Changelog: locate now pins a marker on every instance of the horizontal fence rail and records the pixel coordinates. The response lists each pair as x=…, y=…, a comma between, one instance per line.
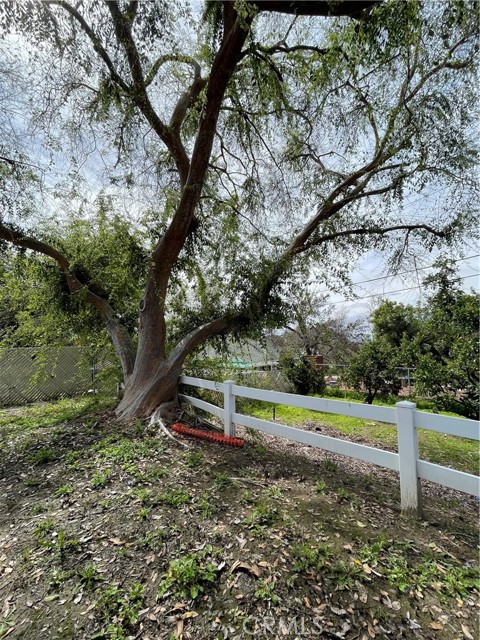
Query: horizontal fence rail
x=405, y=416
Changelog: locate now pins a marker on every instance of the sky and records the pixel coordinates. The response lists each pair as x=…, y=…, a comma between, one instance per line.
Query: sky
x=372, y=285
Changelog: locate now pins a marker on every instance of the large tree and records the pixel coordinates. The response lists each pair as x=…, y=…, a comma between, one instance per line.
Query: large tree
x=270, y=135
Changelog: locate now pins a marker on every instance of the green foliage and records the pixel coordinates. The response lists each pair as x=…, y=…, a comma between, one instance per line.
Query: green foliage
x=189, y=575
x=302, y=374
x=266, y=591
x=320, y=486
x=90, y=576
x=119, y=609
x=64, y=490
x=100, y=478
x=308, y=558
x=194, y=459
x=175, y=498
x=439, y=339
x=42, y=456
x=104, y=253
x=373, y=370
x=263, y=516
x=447, y=363
x=409, y=569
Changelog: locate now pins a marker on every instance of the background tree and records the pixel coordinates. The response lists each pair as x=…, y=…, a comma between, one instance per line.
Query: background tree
x=256, y=108
x=319, y=329
x=301, y=372
x=447, y=361
x=374, y=370
x=439, y=339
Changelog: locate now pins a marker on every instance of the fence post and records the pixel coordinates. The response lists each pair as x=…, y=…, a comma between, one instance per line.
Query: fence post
x=229, y=408
x=410, y=490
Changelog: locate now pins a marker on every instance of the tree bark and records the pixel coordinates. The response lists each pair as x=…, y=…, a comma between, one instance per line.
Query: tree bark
x=143, y=394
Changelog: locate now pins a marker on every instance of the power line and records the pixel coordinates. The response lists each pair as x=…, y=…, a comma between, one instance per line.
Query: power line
x=389, y=293
x=396, y=275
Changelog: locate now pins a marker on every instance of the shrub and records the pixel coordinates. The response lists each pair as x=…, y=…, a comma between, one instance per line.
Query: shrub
x=303, y=375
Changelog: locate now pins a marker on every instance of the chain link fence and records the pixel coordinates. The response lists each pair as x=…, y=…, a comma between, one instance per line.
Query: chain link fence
x=30, y=374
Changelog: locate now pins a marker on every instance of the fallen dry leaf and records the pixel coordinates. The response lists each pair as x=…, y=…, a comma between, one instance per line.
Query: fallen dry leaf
x=466, y=632
x=436, y=625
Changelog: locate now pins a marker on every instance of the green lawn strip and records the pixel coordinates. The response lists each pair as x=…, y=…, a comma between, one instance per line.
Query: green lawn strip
x=49, y=414
x=458, y=453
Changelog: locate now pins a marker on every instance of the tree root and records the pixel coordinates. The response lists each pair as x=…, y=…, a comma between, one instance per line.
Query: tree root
x=156, y=421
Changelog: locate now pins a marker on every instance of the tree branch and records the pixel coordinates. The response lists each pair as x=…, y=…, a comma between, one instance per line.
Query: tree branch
x=350, y=8
x=117, y=332
x=371, y=231
x=97, y=45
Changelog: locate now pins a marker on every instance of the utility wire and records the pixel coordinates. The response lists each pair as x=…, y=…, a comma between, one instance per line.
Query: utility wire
x=403, y=273
x=389, y=293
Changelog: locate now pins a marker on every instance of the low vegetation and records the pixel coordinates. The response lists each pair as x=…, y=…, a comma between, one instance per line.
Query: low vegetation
x=123, y=534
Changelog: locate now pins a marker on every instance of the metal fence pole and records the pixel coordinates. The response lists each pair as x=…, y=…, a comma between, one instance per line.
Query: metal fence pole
x=229, y=408
x=410, y=488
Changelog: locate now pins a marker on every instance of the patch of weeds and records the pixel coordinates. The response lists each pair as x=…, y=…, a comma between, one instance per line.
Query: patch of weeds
x=330, y=465
x=119, y=610
x=342, y=494
x=100, y=478
x=64, y=490
x=64, y=543
x=175, y=498
x=193, y=459
x=153, y=540
x=205, y=506
x=189, y=575
x=263, y=516
x=138, y=427
x=320, y=486
x=222, y=481
x=266, y=591
x=143, y=495
x=368, y=480
x=144, y=513
x=150, y=475
x=344, y=574
x=42, y=530
x=32, y=481
x=42, y=456
x=407, y=569
x=308, y=558
x=38, y=508
x=58, y=435
x=72, y=460
x=247, y=497
x=90, y=576
x=58, y=577
x=124, y=450
x=260, y=449
x=275, y=493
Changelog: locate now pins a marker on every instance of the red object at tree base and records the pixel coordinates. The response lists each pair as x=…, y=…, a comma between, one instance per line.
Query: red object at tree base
x=206, y=435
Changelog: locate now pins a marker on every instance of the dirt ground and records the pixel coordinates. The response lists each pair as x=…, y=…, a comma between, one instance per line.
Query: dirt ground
x=118, y=532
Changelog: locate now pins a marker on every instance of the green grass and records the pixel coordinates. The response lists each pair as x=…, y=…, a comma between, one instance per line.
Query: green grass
x=41, y=415
x=458, y=453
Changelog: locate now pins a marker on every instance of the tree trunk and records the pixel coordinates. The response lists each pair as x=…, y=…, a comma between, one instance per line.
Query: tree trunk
x=144, y=392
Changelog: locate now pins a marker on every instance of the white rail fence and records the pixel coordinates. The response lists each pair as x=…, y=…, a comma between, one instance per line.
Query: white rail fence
x=405, y=415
